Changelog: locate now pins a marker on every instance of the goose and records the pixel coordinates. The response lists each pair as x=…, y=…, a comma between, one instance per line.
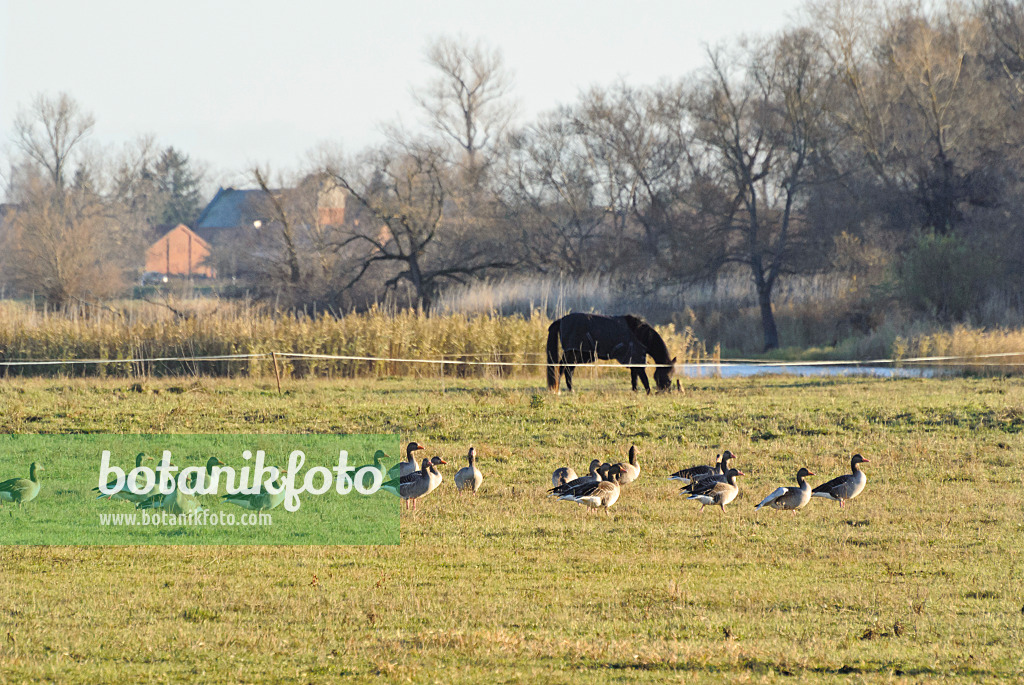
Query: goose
x=22, y=490
x=844, y=487
x=596, y=495
x=469, y=477
x=562, y=475
x=418, y=483
x=697, y=472
x=790, y=498
x=176, y=501
x=378, y=463
x=601, y=494
x=409, y=465
x=125, y=493
x=695, y=484
x=593, y=477
x=631, y=471
x=210, y=463
x=715, y=492
x=264, y=500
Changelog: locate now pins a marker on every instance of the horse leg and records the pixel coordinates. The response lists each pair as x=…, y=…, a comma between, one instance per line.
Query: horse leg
x=642, y=375
x=633, y=375
x=567, y=369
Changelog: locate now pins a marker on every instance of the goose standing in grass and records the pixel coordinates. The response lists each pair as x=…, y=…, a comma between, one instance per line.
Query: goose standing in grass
x=845, y=487
x=719, y=477
x=264, y=500
x=593, y=477
x=716, y=492
x=208, y=473
x=176, y=501
x=378, y=463
x=597, y=495
x=125, y=493
x=469, y=477
x=22, y=490
x=693, y=473
x=563, y=475
x=418, y=483
x=409, y=465
x=629, y=471
x=790, y=498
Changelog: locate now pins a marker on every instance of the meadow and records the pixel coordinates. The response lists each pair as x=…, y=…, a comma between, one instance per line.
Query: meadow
x=919, y=579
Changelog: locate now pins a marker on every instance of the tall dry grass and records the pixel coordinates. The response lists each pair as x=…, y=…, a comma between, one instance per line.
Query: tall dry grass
x=201, y=328
x=969, y=346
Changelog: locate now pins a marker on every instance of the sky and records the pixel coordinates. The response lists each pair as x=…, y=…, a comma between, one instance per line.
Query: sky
x=234, y=83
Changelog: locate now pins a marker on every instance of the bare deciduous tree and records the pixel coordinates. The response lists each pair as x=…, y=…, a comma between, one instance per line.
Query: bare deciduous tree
x=60, y=245
x=469, y=101
x=764, y=128
x=49, y=133
x=404, y=189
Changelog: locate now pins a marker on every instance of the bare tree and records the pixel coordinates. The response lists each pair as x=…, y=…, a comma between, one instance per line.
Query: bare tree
x=404, y=189
x=49, y=133
x=60, y=245
x=552, y=201
x=1005, y=21
x=918, y=106
x=761, y=119
x=469, y=100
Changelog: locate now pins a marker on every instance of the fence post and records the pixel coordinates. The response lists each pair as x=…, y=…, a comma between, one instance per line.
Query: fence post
x=277, y=372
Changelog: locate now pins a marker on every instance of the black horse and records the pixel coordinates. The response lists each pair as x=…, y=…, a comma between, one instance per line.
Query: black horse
x=626, y=339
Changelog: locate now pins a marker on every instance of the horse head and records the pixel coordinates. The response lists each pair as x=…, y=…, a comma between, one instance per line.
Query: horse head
x=663, y=376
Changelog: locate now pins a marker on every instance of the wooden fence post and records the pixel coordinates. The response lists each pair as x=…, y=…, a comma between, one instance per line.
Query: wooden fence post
x=277, y=372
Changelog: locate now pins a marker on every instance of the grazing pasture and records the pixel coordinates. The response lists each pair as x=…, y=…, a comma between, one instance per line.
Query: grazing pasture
x=917, y=579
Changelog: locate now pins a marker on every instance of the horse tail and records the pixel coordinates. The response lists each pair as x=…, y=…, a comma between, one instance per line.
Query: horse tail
x=552, y=367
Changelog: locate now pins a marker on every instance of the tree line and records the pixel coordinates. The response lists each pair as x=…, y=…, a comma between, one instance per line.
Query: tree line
x=880, y=140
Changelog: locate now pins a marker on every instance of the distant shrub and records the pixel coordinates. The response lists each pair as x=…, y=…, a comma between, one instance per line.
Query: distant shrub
x=942, y=276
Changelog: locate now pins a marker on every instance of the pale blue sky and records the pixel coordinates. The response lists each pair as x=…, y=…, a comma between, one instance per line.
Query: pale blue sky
x=240, y=82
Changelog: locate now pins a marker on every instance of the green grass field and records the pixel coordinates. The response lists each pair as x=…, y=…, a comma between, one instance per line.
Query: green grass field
x=917, y=580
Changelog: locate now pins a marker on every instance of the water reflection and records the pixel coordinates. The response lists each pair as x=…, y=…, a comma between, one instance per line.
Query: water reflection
x=742, y=370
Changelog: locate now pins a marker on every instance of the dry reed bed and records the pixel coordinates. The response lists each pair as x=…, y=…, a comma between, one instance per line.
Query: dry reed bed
x=143, y=331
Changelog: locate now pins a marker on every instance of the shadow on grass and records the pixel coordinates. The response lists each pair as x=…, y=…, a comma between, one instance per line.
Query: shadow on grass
x=765, y=667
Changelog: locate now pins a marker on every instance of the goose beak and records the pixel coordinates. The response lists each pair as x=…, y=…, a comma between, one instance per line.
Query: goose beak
x=810, y=473
x=866, y=461
x=442, y=462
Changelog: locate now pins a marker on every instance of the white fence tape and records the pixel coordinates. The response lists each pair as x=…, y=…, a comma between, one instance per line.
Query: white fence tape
x=972, y=360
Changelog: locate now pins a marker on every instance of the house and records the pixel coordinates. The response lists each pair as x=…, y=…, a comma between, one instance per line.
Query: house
x=179, y=252
x=232, y=213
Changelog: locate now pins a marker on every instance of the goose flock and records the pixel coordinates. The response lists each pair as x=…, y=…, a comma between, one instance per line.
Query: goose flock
x=600, y=488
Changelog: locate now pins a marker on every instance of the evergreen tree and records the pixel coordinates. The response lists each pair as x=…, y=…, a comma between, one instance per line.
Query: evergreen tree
x=178, y=188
